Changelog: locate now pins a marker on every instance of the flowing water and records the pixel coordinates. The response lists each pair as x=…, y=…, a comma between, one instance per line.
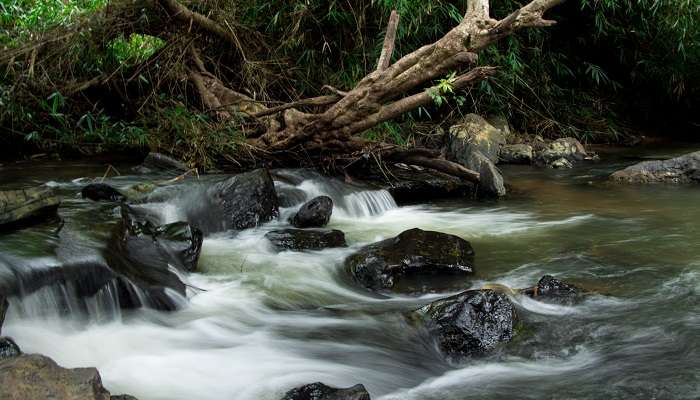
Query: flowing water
x=259, y=323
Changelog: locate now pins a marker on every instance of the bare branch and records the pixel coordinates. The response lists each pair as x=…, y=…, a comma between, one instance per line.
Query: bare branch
x=187, y=16
x=314, y=101
x=477, y=9
x=389, y=42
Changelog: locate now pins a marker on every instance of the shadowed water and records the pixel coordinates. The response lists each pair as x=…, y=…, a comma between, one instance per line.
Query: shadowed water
x=259, y=323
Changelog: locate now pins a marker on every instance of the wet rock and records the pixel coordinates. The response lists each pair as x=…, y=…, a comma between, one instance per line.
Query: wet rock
x=179, y=243
x=157, y=162
x=36, y=377
x=144, y=253
x=319, y=391
x=550, y=289
x=567, y=148
x=306, y=239
x=415, y=185
x=3, y=309
x=240, y=202
x=561, y=163
x=26, y=206
x=516, y=154
x=491, y=182
x=135, y=269
x=102, y=192
x=8, y=348
x=290, y=196
x=408, y=261
x=472, y=323
x=475, y=144
x=474, y=134
x=314, y=214
x=683, y=169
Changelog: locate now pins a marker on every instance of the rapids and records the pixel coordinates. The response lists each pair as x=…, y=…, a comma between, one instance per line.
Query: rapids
x=259, y=322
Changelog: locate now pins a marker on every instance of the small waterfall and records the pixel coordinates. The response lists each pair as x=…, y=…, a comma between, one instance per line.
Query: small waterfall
x=367, y=203
x=351, y=201
x=60, y=299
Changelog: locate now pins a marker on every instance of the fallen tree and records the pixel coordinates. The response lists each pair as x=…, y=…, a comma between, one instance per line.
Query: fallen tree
x=326, y=127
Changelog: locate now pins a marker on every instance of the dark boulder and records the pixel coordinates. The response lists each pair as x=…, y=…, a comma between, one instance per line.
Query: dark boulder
x=157, y=162
x=306, y=239
x=550, y=289
x=143, y=253
x=408, y=261
x=240, y=202
x=36, y=377
x=319, y=391
x=315, y=213
x=26, y=206
x=8, y=348
x=179, y=243
x=102, y=192
x=683, y=169
x=471, y=323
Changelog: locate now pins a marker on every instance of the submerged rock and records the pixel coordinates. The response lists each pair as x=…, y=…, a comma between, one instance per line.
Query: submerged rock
x=408, y=261
x=8, y=348
x=315, y=213
x=102, y=192
x=319, y=391
x=561, y=163
x=36, y=377
x=157, y=162
x=516, y=154
x=550, y=289
x=26, y=206
x=306, y=239
x=683, y=169
x=240, y=202
x=471, y=323
x=568, y=148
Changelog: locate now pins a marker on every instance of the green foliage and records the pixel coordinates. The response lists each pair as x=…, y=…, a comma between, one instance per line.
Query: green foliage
x=20, y=18
x=134, y=49
x=607, y=62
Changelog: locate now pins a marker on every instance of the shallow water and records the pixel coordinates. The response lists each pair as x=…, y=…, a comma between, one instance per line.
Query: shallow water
x=259, y=323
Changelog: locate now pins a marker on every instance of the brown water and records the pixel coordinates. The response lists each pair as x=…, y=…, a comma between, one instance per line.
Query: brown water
x=268, y=322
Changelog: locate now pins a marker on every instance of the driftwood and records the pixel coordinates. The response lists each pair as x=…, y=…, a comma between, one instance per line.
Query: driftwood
x=327, y=126
x=390, y=91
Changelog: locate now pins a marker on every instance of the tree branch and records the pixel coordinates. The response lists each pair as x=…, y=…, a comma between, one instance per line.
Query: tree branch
x=187, y=16
x=389, y=42
x=314, y=101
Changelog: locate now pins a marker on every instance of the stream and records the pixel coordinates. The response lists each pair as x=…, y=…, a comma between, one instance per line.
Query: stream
x=258, y=323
